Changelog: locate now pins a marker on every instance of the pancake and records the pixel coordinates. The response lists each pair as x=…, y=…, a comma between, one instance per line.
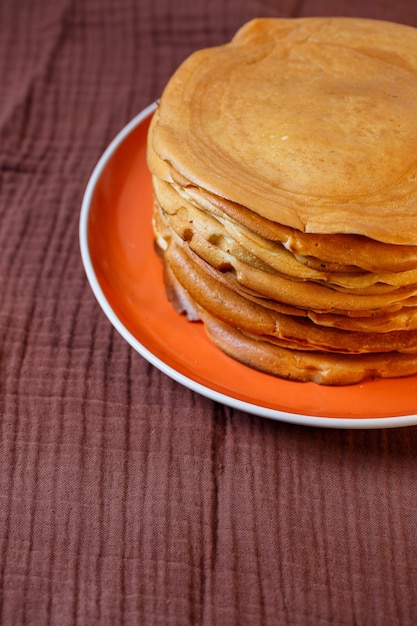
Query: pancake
x=308, y=366
x=307, y=122
x=218, y=228
x=261, y=353
x=285, y=197
x=336, y=251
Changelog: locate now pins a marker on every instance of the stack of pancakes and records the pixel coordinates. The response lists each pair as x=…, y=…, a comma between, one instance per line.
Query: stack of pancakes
x=284, y=167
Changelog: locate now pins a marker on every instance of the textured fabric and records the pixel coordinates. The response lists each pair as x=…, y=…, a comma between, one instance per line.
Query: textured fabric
x=126, y=498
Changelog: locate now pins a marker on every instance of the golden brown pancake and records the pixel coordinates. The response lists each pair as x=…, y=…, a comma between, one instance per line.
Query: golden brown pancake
x=337, y=251
x=307, y=122
x=280, y=358
x=308, y=366
x=218, y=228
x=285, y=186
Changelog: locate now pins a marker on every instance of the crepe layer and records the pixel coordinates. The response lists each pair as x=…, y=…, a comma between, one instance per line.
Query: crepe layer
x=285, y=213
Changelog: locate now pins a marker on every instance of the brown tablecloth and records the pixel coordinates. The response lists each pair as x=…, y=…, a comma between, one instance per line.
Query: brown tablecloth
x=126, y=498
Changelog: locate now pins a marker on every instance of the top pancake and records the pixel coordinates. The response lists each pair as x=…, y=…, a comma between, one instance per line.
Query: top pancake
x=310, y=123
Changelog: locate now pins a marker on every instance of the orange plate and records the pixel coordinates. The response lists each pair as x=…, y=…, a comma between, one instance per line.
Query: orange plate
x=126, y=276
